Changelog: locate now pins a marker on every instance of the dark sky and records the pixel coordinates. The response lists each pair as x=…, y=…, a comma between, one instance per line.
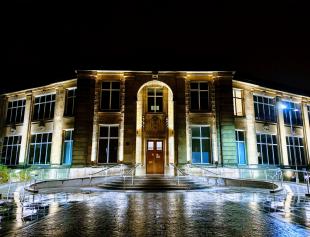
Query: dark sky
x=45, y=41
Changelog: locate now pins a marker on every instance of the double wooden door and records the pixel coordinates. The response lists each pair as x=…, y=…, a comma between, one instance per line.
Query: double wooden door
x=155, y=157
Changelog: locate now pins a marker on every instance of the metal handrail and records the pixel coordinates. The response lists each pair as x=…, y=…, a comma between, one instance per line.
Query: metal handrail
x=130, y=171
x=204, y=169
x=178, y=171
x=105, y=169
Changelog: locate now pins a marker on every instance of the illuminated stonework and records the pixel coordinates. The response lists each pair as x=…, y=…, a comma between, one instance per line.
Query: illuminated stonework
x=154, y=118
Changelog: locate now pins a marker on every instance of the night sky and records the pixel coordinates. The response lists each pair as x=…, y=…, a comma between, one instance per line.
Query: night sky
x=44, y=41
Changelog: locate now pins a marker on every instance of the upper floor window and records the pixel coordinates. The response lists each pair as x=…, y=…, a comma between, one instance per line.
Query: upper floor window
x=267, y=148
x=110, y=96
x=264, y=108
x=16, y=111
x=291, y=113
x=10, y=150
x=40, y=149
x=308, y=107
x=44, y=107
x=201, y=146
x=238, y=102
x=70, y=101
x=155, y=100
x=199, y=96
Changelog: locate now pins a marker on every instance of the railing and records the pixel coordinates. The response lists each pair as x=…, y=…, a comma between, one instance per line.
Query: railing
x=179, y=171
x=131, y=173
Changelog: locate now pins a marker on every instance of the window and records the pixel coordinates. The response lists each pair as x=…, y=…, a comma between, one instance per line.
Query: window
x=67, y=147
x=295, y=149
x=241, y=151
x=110, y=96
x=267, y=148
x=70, y=102
x=238, y=102
x=199, y=96
x=44, y=107
x=16, y=111
x=40, y=149
x=10, y=150
x=292, y=113
x=155, y=100
x=201, y=148
x=264, y=108
x=108, y=144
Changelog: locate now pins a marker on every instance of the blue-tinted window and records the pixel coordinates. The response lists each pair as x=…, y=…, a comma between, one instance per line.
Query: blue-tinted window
x=67, y=147
x=241, y=149
x=201, y=146
x=292, y=113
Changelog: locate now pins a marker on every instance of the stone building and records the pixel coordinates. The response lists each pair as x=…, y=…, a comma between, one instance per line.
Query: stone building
x=154, y=118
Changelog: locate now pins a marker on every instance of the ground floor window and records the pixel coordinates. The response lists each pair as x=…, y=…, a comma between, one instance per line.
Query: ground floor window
x=201, y=148
x=40, y=149
x=10, y=150
x=295, y=150
x=67, y=147
x=267, y=148
x=108, y=144
x=240, y=144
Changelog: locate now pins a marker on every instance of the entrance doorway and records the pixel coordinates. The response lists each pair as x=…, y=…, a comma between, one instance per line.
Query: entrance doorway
x=155, y=157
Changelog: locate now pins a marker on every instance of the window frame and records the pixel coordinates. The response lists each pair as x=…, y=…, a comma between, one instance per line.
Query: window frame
x=273, y=147
x=52, y=103
x=108, y=138
x=110, y=90
x=198, y=90
x=66, y=113
x=48, y=143
x=245, y=146
x=71, y=141
x=294, y=114
x=235, y=98
x=200, y=143
x=269, y=105
x=13, y=146
x=155, y=96
x=15, y=108
x=298, y=146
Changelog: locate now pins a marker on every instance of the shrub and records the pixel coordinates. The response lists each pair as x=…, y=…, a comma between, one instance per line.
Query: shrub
x=4, y=174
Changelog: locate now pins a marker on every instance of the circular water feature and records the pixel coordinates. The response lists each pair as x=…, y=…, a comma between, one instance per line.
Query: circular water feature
x=220, y=211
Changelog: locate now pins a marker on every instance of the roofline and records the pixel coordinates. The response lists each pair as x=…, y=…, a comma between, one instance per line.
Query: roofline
x=128, y=71
x=39, y=87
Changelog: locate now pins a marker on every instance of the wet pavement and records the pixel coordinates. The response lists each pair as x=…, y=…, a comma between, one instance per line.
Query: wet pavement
x=220, y=211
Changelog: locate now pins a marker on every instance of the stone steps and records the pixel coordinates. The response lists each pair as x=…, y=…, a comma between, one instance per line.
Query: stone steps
x=152, y=183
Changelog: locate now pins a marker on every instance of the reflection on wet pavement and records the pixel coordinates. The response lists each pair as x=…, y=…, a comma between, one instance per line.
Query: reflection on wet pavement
x=215, y=212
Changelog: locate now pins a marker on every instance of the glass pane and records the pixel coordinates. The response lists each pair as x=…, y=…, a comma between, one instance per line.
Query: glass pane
x=241, y=153
x=103, y=151
x=159, y=104
x=150, y=91
x=276, y=157
x=67, y=153
x=115, y=100
x=205, y=145
x=113, y=131
x=204, y=86
x=196, y=156
x=105, y=100
x=104, y=131
x=265, y=154
x=195, y=131
x=194, y=85
x=194, y=100
x=205, y=131
x=159, y=92
x=150, y=104
x=159, y=145
x=204, y=100
x=113, y=151
x=105, y=85
x=150, y=145
x=115, y=85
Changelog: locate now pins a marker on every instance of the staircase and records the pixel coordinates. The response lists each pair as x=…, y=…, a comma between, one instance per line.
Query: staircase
x=153, y=182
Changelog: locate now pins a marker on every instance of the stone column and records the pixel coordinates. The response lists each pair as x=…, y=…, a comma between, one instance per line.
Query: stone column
x=250, y=126
x=281, y=134
x=57, y=126
x=306, y=130
x=94, y=147
x=26, y=130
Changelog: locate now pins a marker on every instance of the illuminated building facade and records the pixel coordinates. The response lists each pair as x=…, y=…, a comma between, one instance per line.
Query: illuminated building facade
x=154, y=118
